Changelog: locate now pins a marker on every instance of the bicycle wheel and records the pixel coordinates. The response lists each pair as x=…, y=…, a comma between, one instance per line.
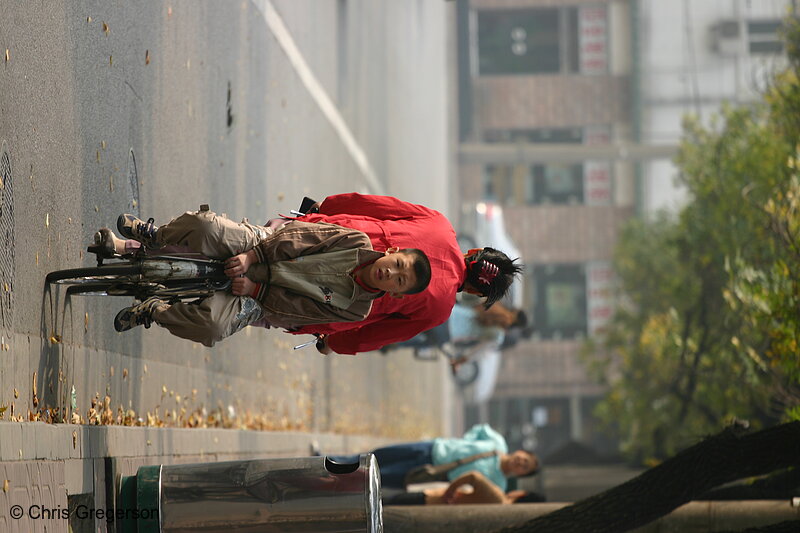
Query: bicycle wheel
x=76, y=276
x=90, y=289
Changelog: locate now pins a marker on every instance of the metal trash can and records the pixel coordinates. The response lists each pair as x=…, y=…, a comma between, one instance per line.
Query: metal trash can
x=269, y=495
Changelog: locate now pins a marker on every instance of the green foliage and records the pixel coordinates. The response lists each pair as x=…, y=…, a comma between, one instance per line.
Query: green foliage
x=710, y=323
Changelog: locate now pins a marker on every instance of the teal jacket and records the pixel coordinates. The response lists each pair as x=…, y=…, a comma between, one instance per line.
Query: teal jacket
x=479, y=439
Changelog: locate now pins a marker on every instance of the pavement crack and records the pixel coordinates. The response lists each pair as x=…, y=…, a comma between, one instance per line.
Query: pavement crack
x=133, y=91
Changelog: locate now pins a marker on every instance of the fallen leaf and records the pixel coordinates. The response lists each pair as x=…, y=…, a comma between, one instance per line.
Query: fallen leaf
x=47, y=220
x=145, y=369
x=98, y=156
x=35, y=396
x=8, y=56
x=16, y=393
x=55, y=339
x=5, y=485
x=124, y=373
x=110, y=61
x=37, y=258
x=105, y=28
x=88, y=19
x=86, y=322
x=111, y=183
x=74, y=439
x=147, y=57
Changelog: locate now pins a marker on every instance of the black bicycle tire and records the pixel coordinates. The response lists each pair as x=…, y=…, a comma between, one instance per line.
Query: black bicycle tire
x=88, y=289
x=90, y=274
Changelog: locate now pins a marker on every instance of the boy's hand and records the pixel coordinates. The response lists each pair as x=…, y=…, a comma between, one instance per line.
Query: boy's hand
x=242, y=286
x=322, y=345
x=238, y=264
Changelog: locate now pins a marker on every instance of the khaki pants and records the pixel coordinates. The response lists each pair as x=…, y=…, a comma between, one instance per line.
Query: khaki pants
x=211, y=319
x=222, y=314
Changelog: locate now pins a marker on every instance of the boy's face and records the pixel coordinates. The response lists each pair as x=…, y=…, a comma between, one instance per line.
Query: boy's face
x=393, y=273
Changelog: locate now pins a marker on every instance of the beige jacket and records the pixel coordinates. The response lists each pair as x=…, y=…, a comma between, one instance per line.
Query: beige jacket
x=305, y=274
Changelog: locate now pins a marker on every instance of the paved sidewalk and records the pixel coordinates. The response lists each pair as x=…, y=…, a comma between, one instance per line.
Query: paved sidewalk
x=109, y=107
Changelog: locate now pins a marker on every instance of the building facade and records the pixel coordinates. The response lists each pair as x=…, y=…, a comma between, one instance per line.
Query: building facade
x=555, y=98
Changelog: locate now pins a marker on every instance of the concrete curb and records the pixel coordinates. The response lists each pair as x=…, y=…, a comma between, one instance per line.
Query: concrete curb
x=28, y=441
x=81, y=450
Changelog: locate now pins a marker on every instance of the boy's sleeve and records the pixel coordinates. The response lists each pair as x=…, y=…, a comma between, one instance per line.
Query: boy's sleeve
x=379, y=207
x=305, y=238
x=375, y=335
x=290, y=310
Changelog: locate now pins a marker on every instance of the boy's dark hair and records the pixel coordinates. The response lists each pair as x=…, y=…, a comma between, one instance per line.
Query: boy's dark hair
x=422, y=268
x=491, y=272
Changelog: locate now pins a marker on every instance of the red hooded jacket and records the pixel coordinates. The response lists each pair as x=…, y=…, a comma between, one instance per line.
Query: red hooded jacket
x=391, y=222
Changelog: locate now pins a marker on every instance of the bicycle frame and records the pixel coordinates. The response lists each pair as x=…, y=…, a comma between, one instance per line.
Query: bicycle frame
x=171, y=276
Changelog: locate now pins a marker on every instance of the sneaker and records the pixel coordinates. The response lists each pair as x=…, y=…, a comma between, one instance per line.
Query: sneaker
x=140, y=314
x=132, y=227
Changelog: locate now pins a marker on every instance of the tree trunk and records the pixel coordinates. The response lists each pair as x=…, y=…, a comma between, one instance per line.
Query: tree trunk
x=779, y=486
x=719, y=459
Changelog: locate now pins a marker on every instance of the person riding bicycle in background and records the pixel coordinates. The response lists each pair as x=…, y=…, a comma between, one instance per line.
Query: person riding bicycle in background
x=393, y=224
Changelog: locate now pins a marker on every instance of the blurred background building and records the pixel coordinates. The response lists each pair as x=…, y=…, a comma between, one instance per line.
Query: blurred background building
x=569, y=113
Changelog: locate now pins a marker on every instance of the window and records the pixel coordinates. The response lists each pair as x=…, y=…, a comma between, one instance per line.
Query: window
x=762, y=37
x=560, y=301
x=558, y=184
x=536, y=184
x=528, y=41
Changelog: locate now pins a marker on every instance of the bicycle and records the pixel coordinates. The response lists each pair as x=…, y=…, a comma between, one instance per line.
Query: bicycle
x=170, y=276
